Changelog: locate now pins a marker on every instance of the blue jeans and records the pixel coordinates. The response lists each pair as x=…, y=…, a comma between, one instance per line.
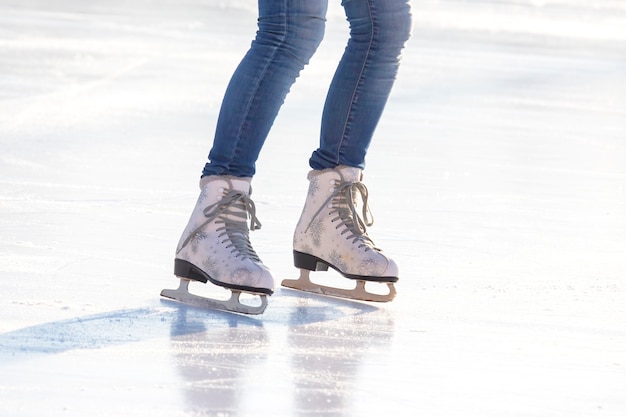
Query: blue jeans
x=289, y=32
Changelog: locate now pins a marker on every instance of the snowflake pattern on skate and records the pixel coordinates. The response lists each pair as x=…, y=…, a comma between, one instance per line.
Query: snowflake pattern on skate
x=306, y=249
x=369, y=267
x=197, y=240
x=242, y=276
x=314, y=186
x=203, y=196
x=209, y=264
x=337, y=260
x=316, y=230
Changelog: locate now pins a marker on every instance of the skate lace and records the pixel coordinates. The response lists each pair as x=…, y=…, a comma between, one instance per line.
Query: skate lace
x=233, y=211
x=344, y=205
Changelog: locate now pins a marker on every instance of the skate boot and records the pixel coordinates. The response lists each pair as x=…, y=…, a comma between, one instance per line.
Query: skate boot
x=332, y=233
x=215, y=247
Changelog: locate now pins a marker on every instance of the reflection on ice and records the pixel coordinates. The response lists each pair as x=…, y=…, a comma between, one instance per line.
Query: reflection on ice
x=216, y=354
x=326, y=361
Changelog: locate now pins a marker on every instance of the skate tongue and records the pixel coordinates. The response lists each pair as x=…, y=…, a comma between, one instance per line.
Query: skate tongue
x=349, y=174
x=228, y=181
x=241, y=184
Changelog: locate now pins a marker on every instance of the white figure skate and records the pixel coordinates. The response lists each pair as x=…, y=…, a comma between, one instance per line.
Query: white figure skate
x=215, y=247
x=331, y=233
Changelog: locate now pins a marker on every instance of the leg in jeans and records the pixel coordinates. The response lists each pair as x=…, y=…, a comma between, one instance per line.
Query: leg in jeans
x=215, y=246
x=363, y=80
x=289, y=32
x=331, y=232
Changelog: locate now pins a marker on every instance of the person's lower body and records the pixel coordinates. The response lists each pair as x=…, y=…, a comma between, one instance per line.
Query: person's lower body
x=289, y=32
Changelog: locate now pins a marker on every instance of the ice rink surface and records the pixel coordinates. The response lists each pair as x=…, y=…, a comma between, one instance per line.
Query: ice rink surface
x=497, y=180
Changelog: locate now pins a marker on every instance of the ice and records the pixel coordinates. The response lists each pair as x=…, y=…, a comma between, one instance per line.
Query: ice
x=497, y=180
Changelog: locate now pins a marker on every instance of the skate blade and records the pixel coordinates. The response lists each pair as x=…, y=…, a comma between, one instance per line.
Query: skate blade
x=357, y=293
x=233, y=304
